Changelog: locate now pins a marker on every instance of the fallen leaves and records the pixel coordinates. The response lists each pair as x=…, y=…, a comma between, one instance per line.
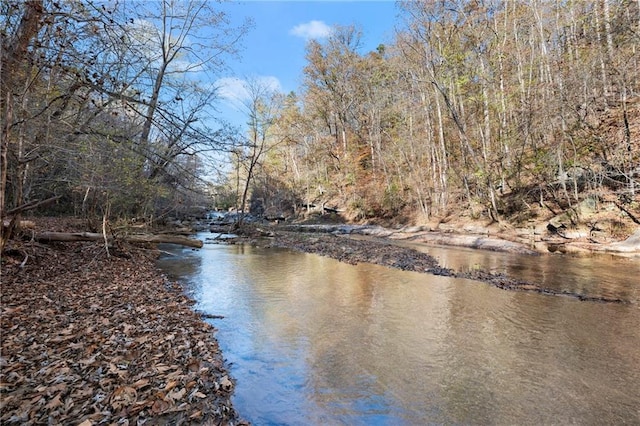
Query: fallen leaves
x=122, y=397
x=89, y=340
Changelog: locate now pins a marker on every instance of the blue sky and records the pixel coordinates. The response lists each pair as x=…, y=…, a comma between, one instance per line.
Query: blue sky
x=274, y=49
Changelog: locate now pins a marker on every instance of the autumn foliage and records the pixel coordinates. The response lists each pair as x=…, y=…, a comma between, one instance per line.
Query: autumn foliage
x=501, y=110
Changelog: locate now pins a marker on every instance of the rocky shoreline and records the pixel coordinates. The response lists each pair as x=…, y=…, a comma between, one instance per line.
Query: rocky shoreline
x=521, y=241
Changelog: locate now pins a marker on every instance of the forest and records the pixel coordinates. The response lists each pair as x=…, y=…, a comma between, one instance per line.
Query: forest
x=498, y=110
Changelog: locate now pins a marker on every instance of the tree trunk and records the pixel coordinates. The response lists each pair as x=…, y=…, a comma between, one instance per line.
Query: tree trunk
x=13, y=51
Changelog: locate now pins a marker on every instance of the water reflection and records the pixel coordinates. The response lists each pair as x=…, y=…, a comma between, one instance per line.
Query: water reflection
x=315, y=341
x=598, y=275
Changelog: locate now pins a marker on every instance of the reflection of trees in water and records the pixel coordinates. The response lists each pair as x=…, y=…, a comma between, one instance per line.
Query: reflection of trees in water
x=356, y=322
x=514, y=348
x=593, y=276
x=415, y=347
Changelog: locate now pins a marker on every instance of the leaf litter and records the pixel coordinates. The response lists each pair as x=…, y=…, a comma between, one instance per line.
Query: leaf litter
x=90, y=339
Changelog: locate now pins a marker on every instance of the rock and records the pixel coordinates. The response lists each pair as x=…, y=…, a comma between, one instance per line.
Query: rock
x=631, y=244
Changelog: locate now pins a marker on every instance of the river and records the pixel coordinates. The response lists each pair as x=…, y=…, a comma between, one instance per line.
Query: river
x=311, y=340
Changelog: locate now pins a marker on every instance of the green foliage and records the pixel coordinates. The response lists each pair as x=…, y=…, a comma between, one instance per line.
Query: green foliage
x=393, y=201
x=360, y=209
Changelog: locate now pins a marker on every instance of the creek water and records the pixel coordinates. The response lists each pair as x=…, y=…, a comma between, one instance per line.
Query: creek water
x=311, y=340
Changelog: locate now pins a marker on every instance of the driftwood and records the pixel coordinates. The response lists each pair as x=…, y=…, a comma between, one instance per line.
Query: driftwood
x=135, y=238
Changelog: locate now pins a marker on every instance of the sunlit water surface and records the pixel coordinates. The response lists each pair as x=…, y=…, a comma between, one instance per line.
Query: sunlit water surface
x=311, y=340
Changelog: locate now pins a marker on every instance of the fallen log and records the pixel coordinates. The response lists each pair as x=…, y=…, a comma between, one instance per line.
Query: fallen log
x=134, y=238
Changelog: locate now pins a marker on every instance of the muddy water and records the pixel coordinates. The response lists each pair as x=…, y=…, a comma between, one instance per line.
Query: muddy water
x=314, y=341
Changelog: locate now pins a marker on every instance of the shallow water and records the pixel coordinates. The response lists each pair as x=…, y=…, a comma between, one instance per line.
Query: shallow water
x=311, y=340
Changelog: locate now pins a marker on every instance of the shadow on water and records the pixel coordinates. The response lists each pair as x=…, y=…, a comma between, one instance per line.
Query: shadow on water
x=311, y=340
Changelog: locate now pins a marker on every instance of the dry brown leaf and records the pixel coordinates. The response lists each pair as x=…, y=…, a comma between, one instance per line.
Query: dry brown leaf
x=162, y=368
x=170, y=385
x=141, y=383
x=142, y=339
x=123, y=396
x=176, y=373
x=225, y=383
x=76, y=345
x=67, y=330
x=196, y=416
x=60, y=387
x=177, y=395
x=194, y=365
x=88, y=361
x=54, y=403
x=159, y=406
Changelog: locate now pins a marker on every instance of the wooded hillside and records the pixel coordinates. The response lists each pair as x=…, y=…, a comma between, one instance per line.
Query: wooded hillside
x=501, y=110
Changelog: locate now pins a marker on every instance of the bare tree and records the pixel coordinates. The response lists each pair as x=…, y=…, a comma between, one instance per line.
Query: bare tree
x=125, y=78
x=262, y=106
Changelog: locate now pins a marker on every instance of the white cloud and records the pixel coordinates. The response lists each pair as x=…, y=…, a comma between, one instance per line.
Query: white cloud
x=233, y=90
x=311, y=30
x=270, y=82
x=236, y=90
x=182, y=66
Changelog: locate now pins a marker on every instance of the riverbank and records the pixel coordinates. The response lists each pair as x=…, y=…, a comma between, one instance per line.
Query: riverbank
x=587, y=228
x=90, y=338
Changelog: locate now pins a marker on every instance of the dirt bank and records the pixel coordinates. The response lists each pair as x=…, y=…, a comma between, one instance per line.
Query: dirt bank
x=88, y=339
